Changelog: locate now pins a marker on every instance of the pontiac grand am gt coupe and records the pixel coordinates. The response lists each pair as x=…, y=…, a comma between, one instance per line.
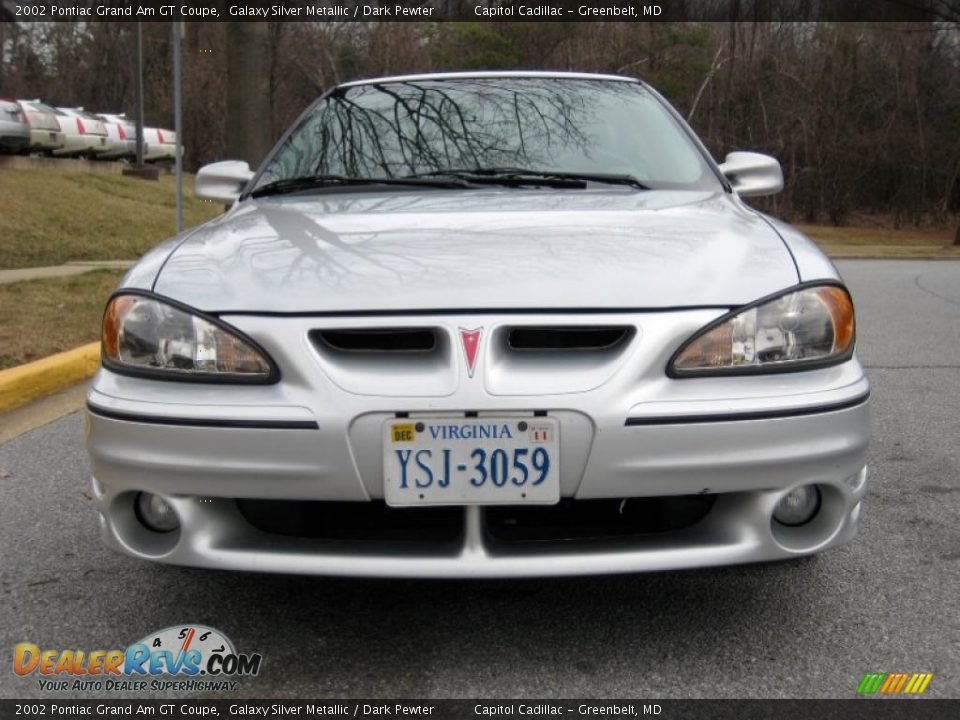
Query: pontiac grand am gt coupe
x=484, y=324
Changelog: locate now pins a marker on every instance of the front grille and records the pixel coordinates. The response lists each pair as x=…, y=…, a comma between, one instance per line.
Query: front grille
x=554, y=338
x=354, y=521
x=596, y=519
x=377, y=340
x=505, y=525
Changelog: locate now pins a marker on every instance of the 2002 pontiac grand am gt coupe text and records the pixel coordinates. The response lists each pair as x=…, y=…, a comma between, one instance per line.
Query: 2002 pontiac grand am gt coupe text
x=490, y=324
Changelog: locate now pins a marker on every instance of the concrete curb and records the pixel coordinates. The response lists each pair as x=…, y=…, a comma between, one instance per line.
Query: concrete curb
x=19, y=385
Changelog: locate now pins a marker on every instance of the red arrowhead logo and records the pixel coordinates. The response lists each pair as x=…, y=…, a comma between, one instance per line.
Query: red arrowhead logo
x=471, y=343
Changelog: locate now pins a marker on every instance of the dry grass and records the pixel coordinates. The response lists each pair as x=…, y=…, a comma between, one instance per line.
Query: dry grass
x=53, y=216
x=43, y=317
x=880, y=242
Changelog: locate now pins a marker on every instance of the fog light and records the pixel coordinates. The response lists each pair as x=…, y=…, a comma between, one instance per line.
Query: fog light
x=798, y=506
x=156, y=513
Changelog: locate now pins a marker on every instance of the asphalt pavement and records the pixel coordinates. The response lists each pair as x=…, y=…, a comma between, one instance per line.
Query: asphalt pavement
x=887, y=602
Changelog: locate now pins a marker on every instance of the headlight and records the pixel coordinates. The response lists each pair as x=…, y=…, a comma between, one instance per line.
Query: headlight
x=149, y=337
x=800, y=329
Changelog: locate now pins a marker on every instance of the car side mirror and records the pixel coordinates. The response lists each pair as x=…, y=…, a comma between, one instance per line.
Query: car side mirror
x=222, y=181
x=753, y=174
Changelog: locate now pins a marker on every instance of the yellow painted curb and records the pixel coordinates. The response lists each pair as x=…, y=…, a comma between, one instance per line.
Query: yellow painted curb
x=19, y=385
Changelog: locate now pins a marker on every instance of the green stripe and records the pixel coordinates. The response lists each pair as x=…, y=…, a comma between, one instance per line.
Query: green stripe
x=870, y=684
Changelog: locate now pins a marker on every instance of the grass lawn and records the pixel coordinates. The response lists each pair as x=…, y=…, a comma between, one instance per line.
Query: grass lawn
x=882, y=242
x=53, y=216
x=43, y=317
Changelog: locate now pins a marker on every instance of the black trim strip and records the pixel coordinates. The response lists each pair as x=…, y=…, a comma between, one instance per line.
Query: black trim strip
x=427, y=312
x=205, y=422
x=755, y=415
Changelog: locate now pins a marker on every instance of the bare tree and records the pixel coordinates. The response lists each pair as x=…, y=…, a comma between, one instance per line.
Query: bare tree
x=248, y=91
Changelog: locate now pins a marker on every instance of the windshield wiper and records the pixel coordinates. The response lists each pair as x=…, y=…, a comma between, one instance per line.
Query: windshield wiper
x=312, y=182
x=522, y=176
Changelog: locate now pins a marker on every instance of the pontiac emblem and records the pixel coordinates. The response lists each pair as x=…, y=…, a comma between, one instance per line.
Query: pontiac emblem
x=471, y=344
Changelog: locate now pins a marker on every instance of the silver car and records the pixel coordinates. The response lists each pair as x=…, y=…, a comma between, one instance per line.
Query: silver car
x=45, y=133
x=121, y=137
x=85, y=135
x=481, y=325
x=14, y=129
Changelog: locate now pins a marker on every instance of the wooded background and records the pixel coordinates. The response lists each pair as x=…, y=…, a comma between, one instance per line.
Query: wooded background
x=864, y=117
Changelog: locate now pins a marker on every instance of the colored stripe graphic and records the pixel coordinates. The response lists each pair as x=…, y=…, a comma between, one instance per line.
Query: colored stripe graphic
x=915, y=680
x=888, y=683
x=898, y=685
x=871, y=683
x=894, y=683
x=866, y=685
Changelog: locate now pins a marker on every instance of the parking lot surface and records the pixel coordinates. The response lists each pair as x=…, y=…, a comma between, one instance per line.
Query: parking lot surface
x=810, y=628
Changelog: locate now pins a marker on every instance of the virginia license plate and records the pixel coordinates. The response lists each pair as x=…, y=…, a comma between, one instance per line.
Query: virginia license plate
x=471, y=461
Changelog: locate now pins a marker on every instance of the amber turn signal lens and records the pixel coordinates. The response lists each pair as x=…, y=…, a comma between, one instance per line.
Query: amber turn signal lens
x=113, y=317
x=840, y=307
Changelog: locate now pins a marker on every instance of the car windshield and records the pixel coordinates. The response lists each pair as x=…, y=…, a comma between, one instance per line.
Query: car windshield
x=41, y=107
x=399, y=129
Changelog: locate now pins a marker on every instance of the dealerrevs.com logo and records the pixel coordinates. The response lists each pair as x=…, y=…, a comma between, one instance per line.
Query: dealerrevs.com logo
x=181, y=657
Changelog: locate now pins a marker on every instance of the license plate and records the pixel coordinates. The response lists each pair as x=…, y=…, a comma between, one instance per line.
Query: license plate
x=471, y=461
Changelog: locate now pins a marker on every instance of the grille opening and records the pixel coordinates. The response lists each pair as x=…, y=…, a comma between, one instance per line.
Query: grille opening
x=378, y=340
x=572, y=519
x=517, y=526
x=552, y=338
x=354, y=521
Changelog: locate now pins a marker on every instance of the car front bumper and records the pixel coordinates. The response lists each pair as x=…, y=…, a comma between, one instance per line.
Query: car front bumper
x=743, y=441
x=46, y=139
x=119, y=149
x=159, y=151
x=81, y=144
x=14, y=137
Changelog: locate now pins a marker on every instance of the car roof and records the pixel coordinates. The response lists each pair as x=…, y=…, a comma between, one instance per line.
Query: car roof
x=489, y=74
x=81, y=112
x=41, y=106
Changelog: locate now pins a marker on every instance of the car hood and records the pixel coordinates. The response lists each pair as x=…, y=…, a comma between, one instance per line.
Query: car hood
x=478, y=249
